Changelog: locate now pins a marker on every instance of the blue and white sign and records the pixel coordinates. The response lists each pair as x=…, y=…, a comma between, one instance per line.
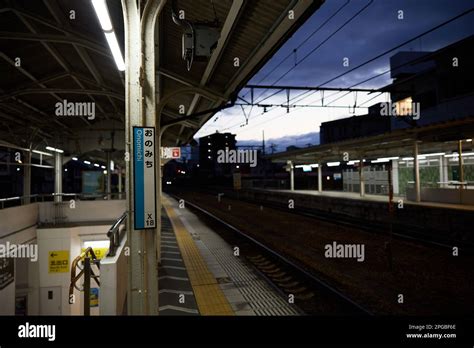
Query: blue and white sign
x=144, y=171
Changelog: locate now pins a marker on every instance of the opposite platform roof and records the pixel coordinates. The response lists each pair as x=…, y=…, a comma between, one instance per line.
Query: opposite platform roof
x=65, y=58
x=434, y=138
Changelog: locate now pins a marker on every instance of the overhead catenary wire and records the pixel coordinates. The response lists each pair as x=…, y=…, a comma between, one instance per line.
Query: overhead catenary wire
x=322, y=43
x=385, y=53
x=394, y=48
x=293, y=53
x=363, y=64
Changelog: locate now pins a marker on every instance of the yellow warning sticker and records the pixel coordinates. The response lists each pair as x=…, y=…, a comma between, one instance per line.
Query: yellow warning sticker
x=58, y=261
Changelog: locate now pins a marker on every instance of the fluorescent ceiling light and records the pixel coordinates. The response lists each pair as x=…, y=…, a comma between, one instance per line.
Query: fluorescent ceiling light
x=315, y=165
x=114, y=47
x=457, y=155
x=469, y=140
x=408, y=158
x=384, y=159
x=54, y=149
x=112, y=165
x=96, y=165
x=87, y=162
x=74, y=158
x=100, y=7
x=103, y=167
x=434, y=154
x=333, y=164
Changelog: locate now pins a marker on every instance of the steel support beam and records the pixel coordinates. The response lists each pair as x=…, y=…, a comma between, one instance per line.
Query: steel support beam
x=56, y=39
x=461, y=171
x=34, y=79
x=56, y=12
x=320, y=177
x=55, y=54
x=140, y=103
x=416, y=168
x=55, y=91
x=204, y=92
x=272, y=38
x=27, y=176
x=58, y=176
x=361, y=178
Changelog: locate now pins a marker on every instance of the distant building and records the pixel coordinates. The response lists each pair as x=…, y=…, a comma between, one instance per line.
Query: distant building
x=208, y=153
x=440, y=82
x=353, y=127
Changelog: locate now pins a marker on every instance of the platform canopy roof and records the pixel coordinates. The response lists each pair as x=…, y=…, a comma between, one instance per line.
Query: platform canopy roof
x=55, y=50
x=441, y=137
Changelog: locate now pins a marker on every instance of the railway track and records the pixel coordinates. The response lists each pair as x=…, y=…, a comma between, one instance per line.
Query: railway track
x=307, y=291
x=397, y=231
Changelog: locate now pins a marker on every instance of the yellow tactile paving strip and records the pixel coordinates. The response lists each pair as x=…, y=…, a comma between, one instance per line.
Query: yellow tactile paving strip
x=209, y=296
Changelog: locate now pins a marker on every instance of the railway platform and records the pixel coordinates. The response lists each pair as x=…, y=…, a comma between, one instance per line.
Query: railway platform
x=199, y=273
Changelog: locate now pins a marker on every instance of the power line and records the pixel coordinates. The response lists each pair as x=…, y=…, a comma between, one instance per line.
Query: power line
x=400, y=45
x=385, y=53
x=365, y=63
x=323, y=42
x=302, y=43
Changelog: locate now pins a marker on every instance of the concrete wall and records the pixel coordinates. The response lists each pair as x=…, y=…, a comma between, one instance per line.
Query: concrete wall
x=443, y=195
x=440, y=223
x=61, y=239
x=81, y=211
x=114, y=282
x=18, y=226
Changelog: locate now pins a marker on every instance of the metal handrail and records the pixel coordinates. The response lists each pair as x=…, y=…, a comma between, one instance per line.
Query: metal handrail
x=44, y=196
x=88, y=273
x=115, y=235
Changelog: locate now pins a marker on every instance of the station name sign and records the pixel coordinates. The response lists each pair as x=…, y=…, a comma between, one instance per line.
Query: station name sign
x=144, y=177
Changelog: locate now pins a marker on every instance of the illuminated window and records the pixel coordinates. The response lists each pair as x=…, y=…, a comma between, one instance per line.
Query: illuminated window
x=404, y=107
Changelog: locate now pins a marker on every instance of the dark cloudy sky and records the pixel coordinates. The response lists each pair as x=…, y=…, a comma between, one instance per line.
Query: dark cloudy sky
x=374, y=31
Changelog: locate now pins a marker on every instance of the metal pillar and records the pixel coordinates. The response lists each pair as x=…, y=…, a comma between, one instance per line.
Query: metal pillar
x=361, y=178
x=395, y=181
x=58, y=176
x=461, y=172
x=320, y=177
x=27, y=177
x=87, y=286
x=119, y=170
x=442, y=178
x=108, y=186
x=416, y=166
x=292, y=176
x=141, y=111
